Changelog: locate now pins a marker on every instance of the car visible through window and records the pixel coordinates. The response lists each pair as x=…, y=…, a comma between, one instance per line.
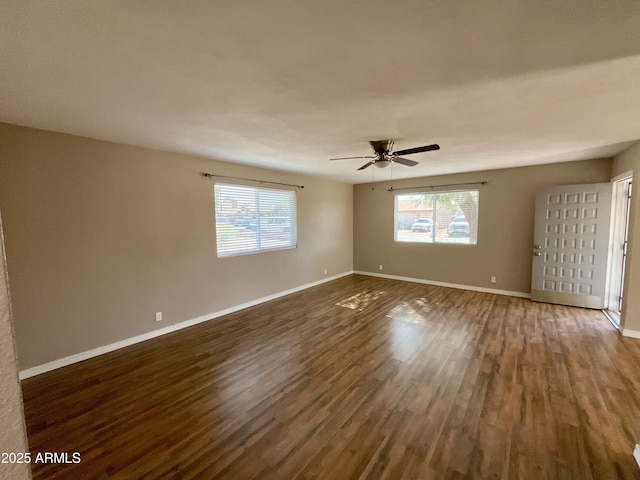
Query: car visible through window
x=458, y=227
x=422, y=225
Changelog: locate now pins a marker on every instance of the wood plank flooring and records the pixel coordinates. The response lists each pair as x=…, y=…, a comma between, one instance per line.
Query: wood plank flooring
x=359, y=378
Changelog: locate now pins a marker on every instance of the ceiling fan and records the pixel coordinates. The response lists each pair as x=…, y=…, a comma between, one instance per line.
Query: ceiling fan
x=383, y=156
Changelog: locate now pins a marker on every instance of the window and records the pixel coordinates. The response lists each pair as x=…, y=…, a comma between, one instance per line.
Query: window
x=250, y=219
x=440, y=217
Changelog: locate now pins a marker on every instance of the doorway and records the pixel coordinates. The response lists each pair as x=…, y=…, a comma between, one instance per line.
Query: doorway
x=622, y=190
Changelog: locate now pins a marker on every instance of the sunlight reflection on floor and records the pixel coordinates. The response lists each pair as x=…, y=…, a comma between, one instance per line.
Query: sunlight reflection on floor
x=413, y=312
x=360, y=300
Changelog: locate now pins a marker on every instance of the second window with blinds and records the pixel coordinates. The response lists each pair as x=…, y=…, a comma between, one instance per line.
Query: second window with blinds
x=253, y=219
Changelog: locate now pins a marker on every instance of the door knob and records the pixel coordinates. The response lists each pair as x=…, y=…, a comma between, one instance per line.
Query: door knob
x=537, y=254
x=536, y=246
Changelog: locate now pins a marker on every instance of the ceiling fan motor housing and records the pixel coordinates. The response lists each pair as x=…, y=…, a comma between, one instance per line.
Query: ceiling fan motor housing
x=381, y=146
x=382, y=149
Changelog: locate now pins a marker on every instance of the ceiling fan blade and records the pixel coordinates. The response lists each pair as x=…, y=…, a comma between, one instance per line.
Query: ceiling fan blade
x=368, y=164
x=350, y=158
x=405, y=161
x=426, y=148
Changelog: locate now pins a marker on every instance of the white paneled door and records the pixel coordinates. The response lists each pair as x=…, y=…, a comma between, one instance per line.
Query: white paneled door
x=570, y=245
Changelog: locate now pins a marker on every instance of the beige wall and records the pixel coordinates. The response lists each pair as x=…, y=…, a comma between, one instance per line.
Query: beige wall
x=13, y=436
x=99, y=236
x=629, y=160
x=505, y=235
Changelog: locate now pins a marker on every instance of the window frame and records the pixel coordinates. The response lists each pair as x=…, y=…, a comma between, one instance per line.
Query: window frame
x=260, y=219
x=472, y=240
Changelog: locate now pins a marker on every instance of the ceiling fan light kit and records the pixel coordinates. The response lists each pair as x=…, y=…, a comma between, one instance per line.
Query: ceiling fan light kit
x=384, y=156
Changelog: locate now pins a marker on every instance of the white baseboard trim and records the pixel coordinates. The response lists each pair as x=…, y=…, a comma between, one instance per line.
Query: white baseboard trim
x=445, y=284
x=636, y=453
x=79, y=357
x=630, y=333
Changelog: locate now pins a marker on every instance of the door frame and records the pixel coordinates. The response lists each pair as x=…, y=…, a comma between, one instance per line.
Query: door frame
x=619, y=233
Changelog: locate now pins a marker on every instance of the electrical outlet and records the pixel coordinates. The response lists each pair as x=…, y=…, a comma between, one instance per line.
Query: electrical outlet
x=158, y=316
x=380, y=267
x=493, y=279
x=325, y=271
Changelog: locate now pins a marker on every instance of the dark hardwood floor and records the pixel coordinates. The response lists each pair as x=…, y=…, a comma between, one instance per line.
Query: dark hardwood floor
x=358, y=378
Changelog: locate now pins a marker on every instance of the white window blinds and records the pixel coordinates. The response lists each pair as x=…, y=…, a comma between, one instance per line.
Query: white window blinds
x=253, y=219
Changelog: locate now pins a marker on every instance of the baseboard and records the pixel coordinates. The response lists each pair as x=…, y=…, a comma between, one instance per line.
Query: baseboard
x=445, y=284
x=79, y=357
x=630, y=333
x=636, y=453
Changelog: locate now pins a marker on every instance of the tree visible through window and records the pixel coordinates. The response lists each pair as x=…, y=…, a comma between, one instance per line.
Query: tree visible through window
x=251, y=219
x=440, y=217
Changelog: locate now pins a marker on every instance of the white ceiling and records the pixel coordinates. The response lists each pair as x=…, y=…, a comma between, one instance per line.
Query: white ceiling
x=288, y=84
